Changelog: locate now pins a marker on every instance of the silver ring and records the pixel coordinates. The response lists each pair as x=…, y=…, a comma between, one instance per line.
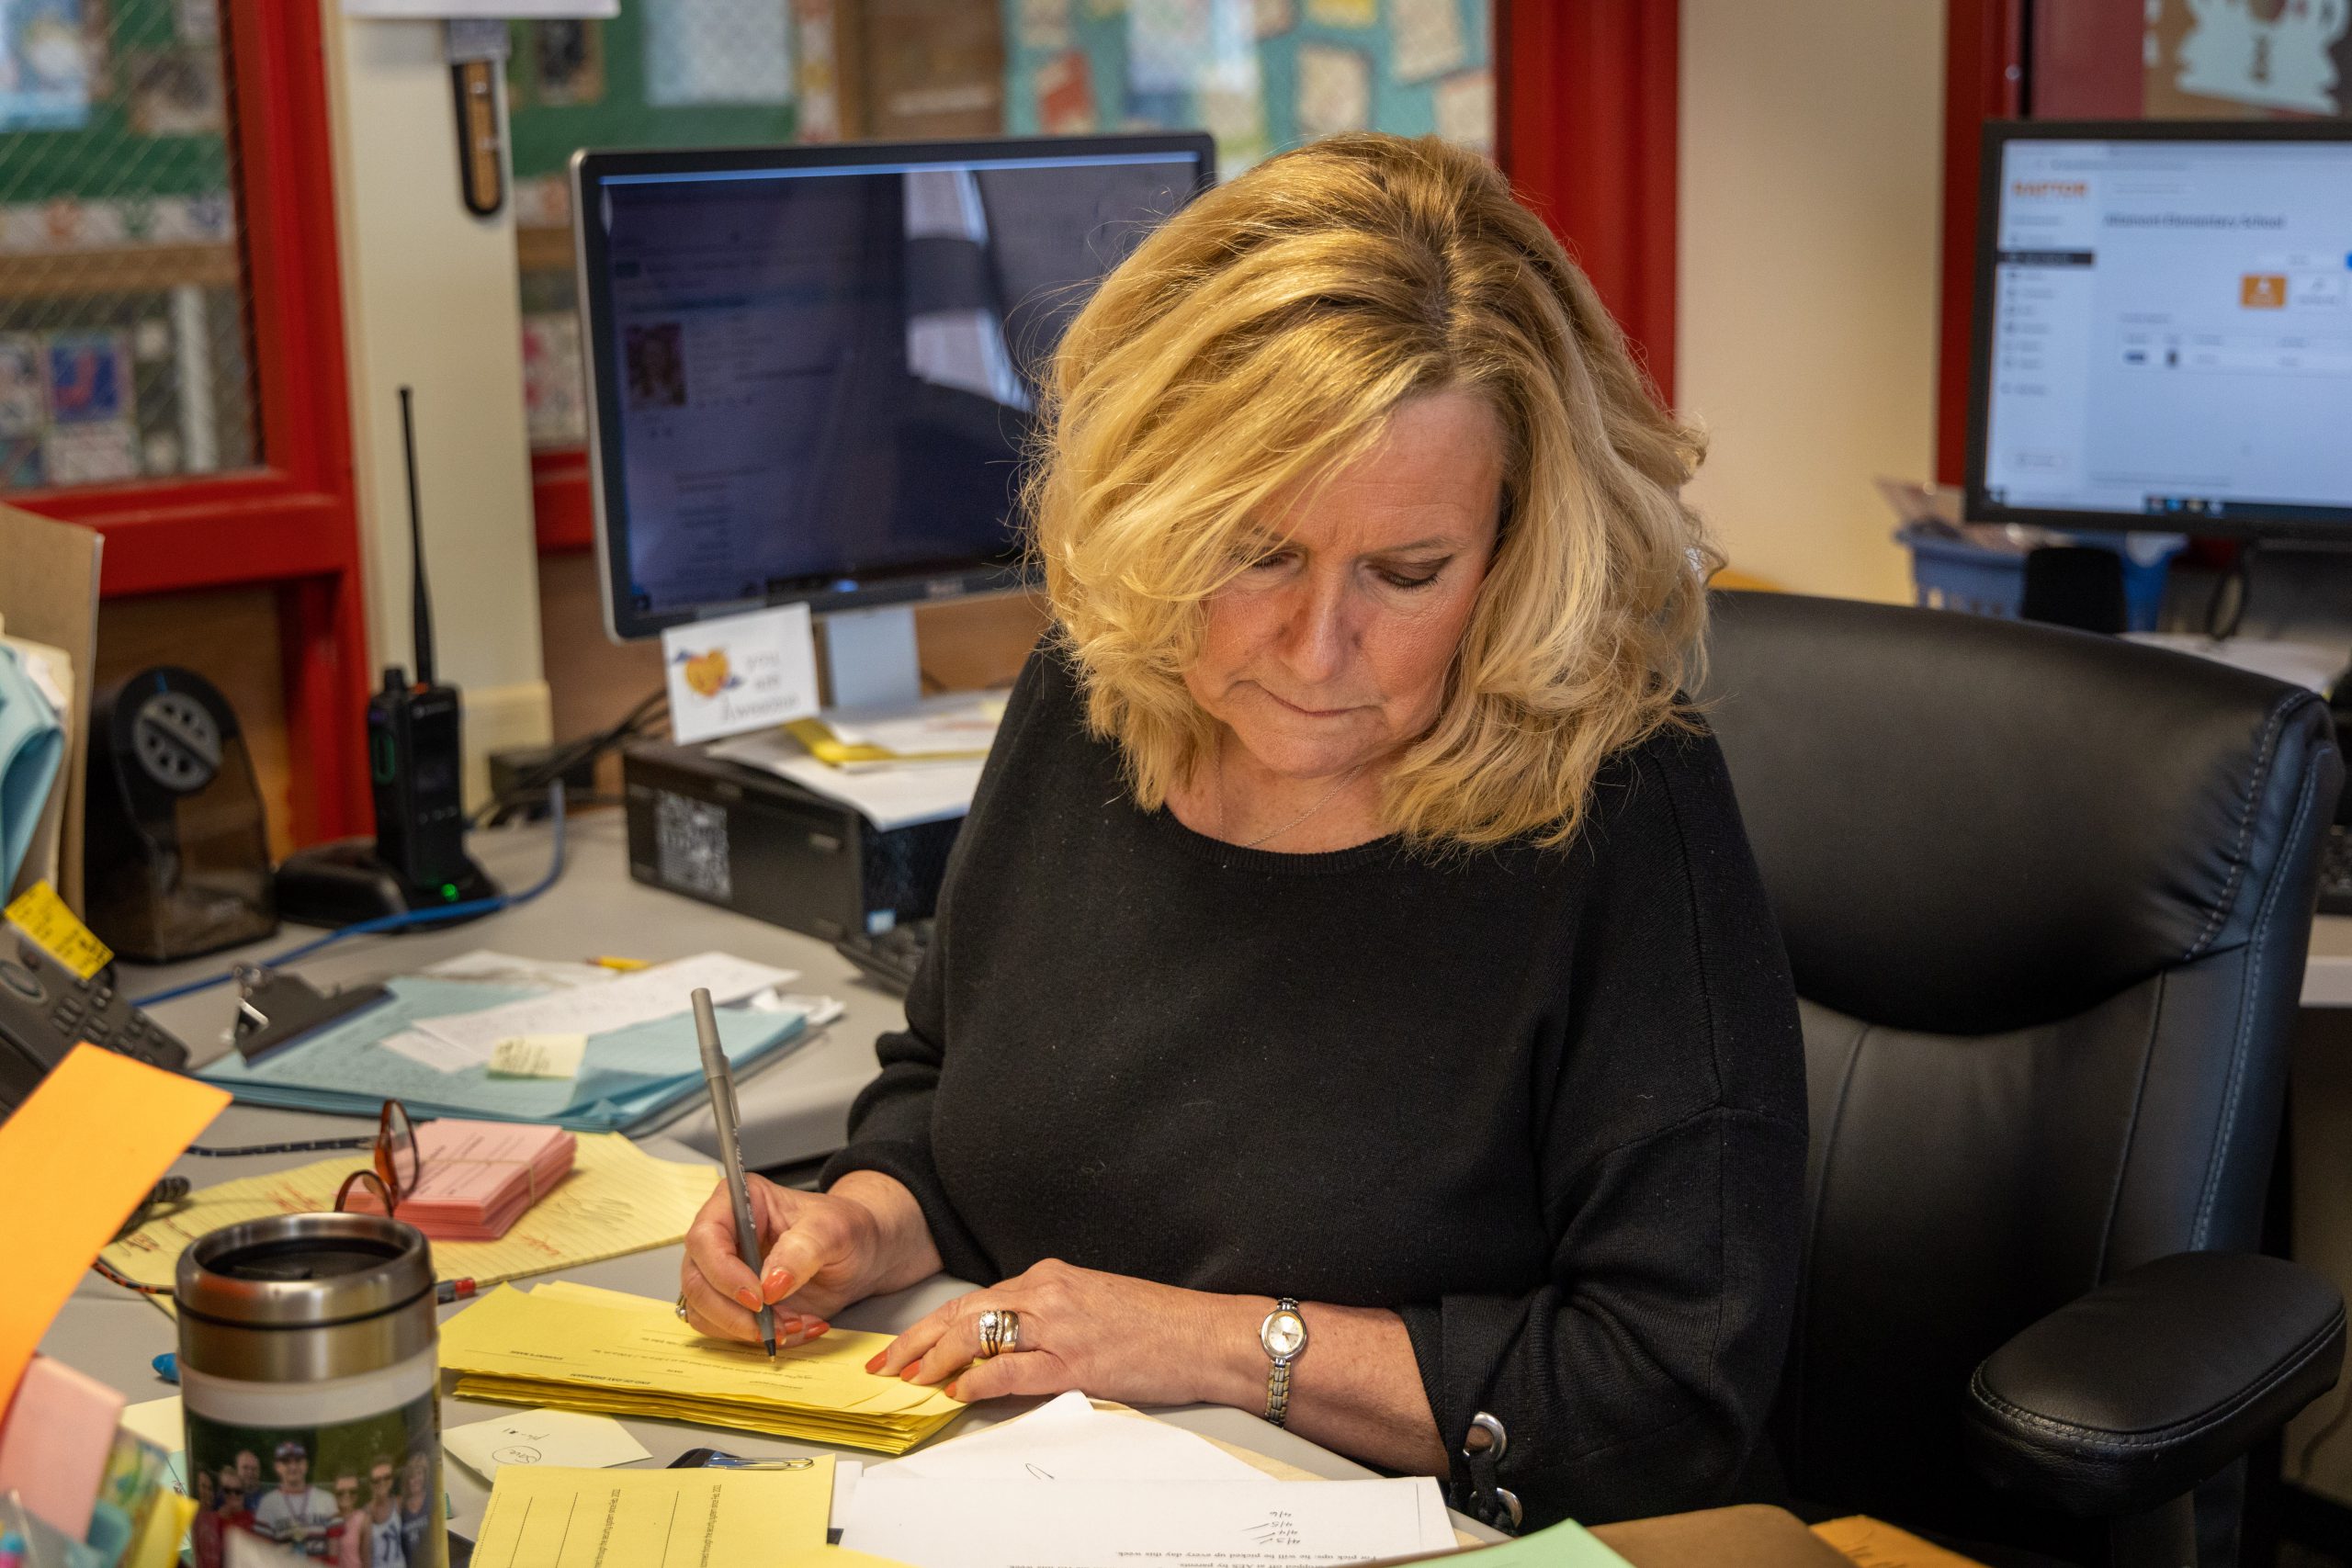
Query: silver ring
x=1000, y=1331
x=682, y=1307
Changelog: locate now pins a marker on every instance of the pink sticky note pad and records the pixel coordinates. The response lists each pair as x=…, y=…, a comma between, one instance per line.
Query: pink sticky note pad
x=53, y=1446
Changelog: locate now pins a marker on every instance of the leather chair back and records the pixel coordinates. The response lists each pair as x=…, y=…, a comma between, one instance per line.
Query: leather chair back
x=2046, y=895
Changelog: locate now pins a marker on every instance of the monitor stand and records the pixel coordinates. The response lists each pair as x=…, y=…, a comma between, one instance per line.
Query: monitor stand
x=870, y=659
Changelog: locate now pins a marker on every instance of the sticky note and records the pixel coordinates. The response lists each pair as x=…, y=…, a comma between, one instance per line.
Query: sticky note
x=566, y=1438
x=538, y=1056
x=60, y=1427
x=117, y=1125
x=41, y=914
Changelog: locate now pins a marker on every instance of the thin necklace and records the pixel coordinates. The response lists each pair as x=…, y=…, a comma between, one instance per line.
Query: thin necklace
x=1345, y=779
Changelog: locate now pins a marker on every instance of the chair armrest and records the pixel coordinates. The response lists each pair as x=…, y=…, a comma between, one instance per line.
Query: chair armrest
x=2130, y=1395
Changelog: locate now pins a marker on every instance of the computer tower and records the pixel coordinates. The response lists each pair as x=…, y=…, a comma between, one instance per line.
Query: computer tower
x=763, y=846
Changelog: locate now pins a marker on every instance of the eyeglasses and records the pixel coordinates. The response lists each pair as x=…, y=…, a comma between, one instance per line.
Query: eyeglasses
x=397, y=1166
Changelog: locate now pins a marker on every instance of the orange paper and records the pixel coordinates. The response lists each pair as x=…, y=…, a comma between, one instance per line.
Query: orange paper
x=91, y=1141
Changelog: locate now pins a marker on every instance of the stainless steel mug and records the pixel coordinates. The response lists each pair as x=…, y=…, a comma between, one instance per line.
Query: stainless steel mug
x=312, y=1389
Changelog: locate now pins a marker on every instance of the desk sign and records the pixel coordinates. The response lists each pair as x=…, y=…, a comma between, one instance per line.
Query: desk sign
x=744, y=673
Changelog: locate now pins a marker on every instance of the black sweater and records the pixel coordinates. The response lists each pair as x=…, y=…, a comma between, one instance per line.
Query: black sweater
x=1548, y=1105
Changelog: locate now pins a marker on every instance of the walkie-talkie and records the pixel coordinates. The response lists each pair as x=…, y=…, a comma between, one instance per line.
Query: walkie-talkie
x=415, y=739
x=417, y=860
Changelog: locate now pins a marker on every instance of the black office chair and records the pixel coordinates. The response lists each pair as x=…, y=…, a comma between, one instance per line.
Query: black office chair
x=2046, y=895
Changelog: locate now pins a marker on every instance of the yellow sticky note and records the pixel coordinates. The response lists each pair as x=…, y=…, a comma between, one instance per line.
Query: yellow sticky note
x=538, y=1056
x=159, y=1421
x=111, y=1124
x=718, y=1518
x=41, y=914
x=157, y=1545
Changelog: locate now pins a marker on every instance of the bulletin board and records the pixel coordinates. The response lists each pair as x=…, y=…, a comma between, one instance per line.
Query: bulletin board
x=1259, y=76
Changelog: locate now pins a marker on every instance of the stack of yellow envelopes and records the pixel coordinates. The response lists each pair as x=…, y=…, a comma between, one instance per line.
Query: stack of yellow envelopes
x=569, y=1346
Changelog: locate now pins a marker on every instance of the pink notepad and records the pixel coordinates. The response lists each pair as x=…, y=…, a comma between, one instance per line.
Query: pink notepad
x=479, y=1177
x=53, y=1449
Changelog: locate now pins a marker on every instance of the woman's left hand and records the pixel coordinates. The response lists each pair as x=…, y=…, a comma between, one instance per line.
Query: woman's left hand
x=1113, y=1337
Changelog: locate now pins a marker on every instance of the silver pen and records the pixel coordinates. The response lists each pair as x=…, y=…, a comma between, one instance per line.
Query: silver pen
x=721, y=1084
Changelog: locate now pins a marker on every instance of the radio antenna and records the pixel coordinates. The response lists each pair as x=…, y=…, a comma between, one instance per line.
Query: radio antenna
x=420, y=599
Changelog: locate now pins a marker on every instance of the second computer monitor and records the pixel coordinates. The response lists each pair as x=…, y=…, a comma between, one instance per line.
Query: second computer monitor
x=813, y=370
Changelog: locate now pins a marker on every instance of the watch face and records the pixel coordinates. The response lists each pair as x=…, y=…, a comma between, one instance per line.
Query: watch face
x=1284, y=1334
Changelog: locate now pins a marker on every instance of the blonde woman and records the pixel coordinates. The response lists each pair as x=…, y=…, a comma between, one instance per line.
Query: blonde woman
x=1353, y=1001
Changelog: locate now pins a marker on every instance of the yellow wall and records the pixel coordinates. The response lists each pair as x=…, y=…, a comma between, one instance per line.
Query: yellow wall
x=1811, y=186
x=429, y=302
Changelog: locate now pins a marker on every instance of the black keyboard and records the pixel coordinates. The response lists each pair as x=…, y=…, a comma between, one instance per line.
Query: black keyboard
x=891, y=959
x=2336, y=871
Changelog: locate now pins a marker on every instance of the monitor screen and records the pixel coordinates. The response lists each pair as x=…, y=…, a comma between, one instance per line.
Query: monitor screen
x=2163, y=327
x=814, y=370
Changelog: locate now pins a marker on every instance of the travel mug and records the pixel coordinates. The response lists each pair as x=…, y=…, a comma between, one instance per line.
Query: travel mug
x=310, y=1384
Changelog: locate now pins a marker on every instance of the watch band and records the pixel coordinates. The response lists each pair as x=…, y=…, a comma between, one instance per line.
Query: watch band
x=1278, y=1374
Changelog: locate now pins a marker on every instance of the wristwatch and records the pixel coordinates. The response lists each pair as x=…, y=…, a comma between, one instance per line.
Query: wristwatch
x=1284, y=1336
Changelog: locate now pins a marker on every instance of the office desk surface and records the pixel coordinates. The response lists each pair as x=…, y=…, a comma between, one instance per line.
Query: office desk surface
x=115, y=1336
x=794, y=1108
x=2327, y=973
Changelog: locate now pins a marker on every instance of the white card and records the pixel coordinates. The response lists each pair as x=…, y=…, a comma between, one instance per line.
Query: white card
x=537, y=1056
x=742, y=672
x=543, y=1436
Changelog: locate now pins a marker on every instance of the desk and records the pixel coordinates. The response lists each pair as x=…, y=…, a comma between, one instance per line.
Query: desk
x=115, y=1336
x=2327, y=973
x=794, y=1108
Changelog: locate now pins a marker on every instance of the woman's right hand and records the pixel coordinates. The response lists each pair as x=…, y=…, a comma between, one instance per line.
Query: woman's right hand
x=822, y=1252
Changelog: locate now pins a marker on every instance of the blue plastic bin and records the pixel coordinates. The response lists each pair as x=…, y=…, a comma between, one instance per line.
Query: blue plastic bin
x=1951, y=574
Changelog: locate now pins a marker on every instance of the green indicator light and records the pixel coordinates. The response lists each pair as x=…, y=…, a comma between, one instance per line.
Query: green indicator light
x=448, y=890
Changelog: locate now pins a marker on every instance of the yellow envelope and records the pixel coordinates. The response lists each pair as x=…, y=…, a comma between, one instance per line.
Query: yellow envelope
x=91, y=1141
x=542, y=1517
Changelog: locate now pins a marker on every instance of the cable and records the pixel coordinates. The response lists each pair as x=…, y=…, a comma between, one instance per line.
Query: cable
x=586, y=749
x=401, y=921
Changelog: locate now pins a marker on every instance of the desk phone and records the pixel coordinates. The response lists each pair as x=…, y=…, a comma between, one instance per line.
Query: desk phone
x=46, y=1010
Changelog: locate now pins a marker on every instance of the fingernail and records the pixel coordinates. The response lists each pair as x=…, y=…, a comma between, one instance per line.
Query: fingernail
x=819, y=1329
x=876, y=1364
x=779, y=1283
x=909, y=1369
x=748, y=1297
x=951, y=1392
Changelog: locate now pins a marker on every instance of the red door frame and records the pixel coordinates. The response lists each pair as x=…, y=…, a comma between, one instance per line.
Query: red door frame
x=1586, y=125
x=291, y=524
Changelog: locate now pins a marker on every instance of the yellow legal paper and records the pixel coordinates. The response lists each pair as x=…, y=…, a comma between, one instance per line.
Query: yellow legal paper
x=76, y=1158
x=542, y=1517
x=41, y=914
x=617, y=1200
x=566, y=1347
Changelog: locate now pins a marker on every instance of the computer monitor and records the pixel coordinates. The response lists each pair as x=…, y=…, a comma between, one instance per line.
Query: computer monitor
x=813, y=370
x=2163, y=327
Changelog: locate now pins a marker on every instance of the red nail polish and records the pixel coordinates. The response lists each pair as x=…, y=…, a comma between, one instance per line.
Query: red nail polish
x=750, y=1298
x=779, y=1283
x=909, y=1369
x=876, y=1364
x=951, y=1392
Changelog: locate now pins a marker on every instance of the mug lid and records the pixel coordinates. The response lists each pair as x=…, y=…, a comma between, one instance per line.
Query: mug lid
x=304, y=1271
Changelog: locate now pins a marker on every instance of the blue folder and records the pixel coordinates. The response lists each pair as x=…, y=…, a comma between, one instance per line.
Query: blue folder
x=628, y=1078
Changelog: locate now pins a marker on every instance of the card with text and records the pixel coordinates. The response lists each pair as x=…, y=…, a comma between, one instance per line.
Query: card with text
x=744, y=673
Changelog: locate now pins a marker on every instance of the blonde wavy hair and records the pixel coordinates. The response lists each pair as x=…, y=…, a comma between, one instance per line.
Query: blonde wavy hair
x=1257, y=341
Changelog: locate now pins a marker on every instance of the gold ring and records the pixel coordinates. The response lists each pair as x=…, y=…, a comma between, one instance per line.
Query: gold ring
x=1000, y=1331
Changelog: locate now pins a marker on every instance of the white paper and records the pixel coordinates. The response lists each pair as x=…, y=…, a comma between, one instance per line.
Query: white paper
x=543, y=1436
x=538, y=1056
x=845, y=1474
x=513, y=969
x=649, y=993
x=159, y=1421
x=739, y=672
x=896, y=796
x=1068, y=1439
x=432, y=1051
x=931, y=1523
x=961, y=721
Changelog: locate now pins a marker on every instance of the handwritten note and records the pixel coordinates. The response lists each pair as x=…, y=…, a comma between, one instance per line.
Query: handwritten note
x=538, y=1056
x=1107, y=1524
x=642, y=998
x=565, y=1439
